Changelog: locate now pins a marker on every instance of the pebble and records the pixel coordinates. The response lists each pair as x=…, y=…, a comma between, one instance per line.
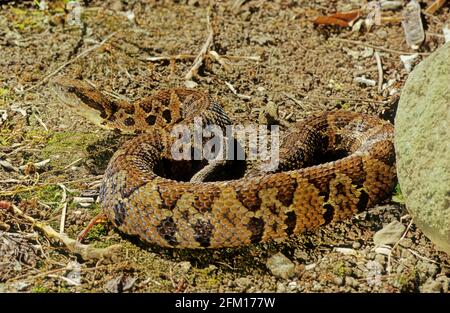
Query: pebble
x=190, y=84
x=380, y=258
x=350, y=281
x=338, y=281
x=383, y=250
x=445, y=281
x=356, y=245
x=389, y=234
x=243, y=282
x=292, y=285
x=185, y=266
x=406, y=243
x=280, y=266
x=281, y=287
x=345, y=251
x=310, y=266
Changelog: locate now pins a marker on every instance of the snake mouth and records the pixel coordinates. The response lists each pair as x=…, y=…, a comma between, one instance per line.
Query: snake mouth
x=68, y=93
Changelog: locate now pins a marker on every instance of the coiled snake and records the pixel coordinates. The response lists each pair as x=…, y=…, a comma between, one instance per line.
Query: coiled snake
x=182, y=214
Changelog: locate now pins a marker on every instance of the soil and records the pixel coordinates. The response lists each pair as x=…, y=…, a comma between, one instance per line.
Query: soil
x=301, y=68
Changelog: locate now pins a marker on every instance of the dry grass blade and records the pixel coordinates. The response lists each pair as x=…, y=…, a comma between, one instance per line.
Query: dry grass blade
x=87, y=252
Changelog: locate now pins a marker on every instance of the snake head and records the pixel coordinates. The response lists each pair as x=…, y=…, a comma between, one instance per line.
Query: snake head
x=84, y=100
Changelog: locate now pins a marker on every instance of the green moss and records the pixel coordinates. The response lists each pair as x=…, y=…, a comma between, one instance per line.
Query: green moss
x=97, y=231
x=3, y=91
x=37, y=136
x=5, y=137
x=67, y=146
x=47, y=194
x=340, y=269
x=40, y=289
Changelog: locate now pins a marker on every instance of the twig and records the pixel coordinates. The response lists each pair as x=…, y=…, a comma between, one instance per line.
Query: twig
x=380, y=70
x=426, y=259
x=64, y=208
x=82, y=54
x=192, y=56
x=342, y=98
x=87, y=252
x=67, y=280
x=39, y=119
x=302, y=105
x=233, y=90
x=436, y=5
x=201, y=55
x=388, y=268
x=219, y=59
x=365, y=44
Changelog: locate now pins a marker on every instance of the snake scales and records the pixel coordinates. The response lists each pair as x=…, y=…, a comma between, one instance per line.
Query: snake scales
x=139, y=201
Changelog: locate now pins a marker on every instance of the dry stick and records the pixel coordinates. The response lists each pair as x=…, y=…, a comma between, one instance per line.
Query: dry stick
x=192, y=56
x=342, y=98
x=361, y=43
x=427, y=259
x=64, y=209
x=380, y=70
x=234, y=91
x=436, y=5
x=82, y=54
x=87, y=252
x=395, y=246
x=201, y=55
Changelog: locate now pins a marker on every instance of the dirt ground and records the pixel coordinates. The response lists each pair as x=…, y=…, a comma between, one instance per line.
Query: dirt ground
x=274, y=56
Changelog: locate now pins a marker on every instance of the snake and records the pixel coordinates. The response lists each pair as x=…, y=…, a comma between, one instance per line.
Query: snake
x=140, y=198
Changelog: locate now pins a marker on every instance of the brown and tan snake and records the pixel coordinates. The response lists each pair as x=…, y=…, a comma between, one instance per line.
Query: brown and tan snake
x=138, y=200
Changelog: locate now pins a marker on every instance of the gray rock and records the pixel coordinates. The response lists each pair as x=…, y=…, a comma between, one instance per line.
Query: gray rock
x=280, y=266
x=389, y=234
x=422, y=144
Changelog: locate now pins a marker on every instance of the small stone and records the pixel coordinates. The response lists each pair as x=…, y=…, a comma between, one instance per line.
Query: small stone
x=339, y=281
x=310, y=266
x=382, y=250
x=269, y=114
x=445, y=281
x=406, y=243
x=316, y=286
x=185, y=266
x=281, y=266
x=212, y=268
x=292, y=285
x=356, y=245
x=389, y=234
x=261, y=89
x=380, y=258
x=190, y=84
x=262, y=40
x=345, y=251
x=243, y=282
x=350, y=281
x=281, y=287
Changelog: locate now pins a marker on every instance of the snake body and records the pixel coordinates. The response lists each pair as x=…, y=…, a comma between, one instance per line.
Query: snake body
x=138, y=200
